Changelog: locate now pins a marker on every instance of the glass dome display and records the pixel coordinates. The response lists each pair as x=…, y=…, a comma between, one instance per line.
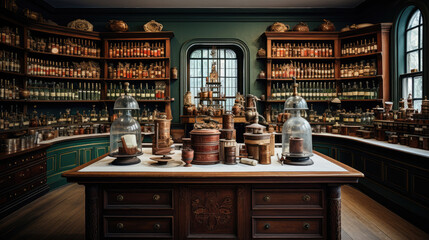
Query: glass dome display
x=125, y=132
x=297, y=146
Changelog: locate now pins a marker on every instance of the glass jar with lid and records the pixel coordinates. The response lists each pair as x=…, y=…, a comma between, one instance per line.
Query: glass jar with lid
x=125, y=132
x=297, y=146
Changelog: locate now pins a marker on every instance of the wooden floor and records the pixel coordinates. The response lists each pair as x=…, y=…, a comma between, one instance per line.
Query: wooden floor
x=60, y=215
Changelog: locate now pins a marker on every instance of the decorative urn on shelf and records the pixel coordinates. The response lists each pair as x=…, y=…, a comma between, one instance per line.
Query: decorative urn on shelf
x=125, y=132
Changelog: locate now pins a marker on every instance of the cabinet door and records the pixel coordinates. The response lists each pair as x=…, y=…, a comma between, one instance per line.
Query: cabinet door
x=213, y=212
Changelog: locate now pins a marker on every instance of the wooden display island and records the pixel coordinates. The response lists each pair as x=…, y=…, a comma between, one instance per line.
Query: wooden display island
x=148, y=201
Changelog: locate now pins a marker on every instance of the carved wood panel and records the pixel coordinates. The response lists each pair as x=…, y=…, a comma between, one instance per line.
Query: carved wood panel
x=212, y=211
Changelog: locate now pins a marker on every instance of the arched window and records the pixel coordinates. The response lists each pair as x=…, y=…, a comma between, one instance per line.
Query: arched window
x=225, y=61
x=412, y=78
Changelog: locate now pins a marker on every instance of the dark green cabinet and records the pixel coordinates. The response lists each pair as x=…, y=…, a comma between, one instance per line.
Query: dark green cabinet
x=397, y=179
x=64, y=156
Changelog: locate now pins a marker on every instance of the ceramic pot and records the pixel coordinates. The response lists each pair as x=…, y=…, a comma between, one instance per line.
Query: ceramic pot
x=262, y=52
x=279, y=27
x=327, y=26
x=262, y=74
x=301, y=27
x=188, y=156
x=117, y=26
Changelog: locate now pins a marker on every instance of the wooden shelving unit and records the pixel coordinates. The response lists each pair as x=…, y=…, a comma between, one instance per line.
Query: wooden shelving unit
x=380, y=32
x=101, y=40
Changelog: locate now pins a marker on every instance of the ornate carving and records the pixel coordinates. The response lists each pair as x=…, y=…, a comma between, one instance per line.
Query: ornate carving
x=212, y=211
x=81, y=24
x=153, y=26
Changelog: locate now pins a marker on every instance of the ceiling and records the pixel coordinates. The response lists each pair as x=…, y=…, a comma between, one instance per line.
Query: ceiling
x=204, y=3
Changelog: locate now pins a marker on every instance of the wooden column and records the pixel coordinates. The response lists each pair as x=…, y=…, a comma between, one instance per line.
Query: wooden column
x=92, y=212
x=334, y=212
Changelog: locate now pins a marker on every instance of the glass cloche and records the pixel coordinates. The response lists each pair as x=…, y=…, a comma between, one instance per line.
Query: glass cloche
x=297, y=147
x=125, y=132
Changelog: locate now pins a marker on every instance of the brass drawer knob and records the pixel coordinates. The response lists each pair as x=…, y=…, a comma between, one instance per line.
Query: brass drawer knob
x=267, y=226
x=306, y=198
x=267, y=198
x=306, y=226
x=120, y=198
x=156, y=197
x=120, y=226
x=156, y=226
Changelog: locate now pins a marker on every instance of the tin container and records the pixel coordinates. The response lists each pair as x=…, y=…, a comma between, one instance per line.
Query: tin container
x=9, y=145
x=225, y=143
x=205, y=143
x=161, y=140
x=264, y=153
x=425, y=143
x=252, y=142
x=413, y=141
x=228, y=121
x=230, y=155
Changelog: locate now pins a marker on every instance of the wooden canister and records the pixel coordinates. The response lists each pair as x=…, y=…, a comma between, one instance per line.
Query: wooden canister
x=205, y=143
x=272, y=143
x=161, y=140
x=228, y=121
x=252, y=142
x=230, y=155
x=264, y=153
x=225, y=143
x=228, y=134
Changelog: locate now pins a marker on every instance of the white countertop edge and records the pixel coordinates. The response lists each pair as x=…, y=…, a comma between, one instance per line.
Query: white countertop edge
x=397, y=147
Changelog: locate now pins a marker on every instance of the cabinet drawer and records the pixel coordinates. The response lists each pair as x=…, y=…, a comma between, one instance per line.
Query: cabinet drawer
x=22, y=175
x=287, y=198
x=287, y=227
x=138, y=226
x=139, y=198
x=14, y=162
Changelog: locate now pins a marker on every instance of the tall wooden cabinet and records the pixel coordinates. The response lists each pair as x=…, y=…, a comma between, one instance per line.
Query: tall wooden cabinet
x=318, y=59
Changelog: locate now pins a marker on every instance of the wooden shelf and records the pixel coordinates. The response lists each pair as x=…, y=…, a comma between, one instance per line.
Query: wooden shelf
x=12, y=73
x=136, y=79
x=361, y=55
x=64, y=78
x=308, y=101
x=62, y=55
x=359, y=78
x=361, y=100
x=301, y=79
x=145, y=101
x=136, y=58
x=73, y=101
x=302, y=58
x=18, y=48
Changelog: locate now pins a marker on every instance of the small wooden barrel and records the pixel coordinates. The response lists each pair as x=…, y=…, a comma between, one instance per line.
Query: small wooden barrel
x=264, y=153
x=225, y=143
x=230, y=155
x=228, y=134
x=205, y=143
x=228, y=121
x=252, y=142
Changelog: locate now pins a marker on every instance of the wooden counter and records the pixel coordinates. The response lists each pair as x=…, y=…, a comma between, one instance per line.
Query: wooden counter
x=205, y=202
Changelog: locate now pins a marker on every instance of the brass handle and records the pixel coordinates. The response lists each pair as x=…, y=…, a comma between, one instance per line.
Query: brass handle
x=306, y=198
x=156, y=197
x=267, y=226
x=22, y=175
x=267, y=198
x=120, y=198
x=120, y=226
x=41, y=167
x=156, y=226
x=306, y=226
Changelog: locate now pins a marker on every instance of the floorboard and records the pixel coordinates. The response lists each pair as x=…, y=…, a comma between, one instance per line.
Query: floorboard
x=60, y=215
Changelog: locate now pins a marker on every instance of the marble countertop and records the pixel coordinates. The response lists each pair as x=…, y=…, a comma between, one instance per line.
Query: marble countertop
x=176, y=165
